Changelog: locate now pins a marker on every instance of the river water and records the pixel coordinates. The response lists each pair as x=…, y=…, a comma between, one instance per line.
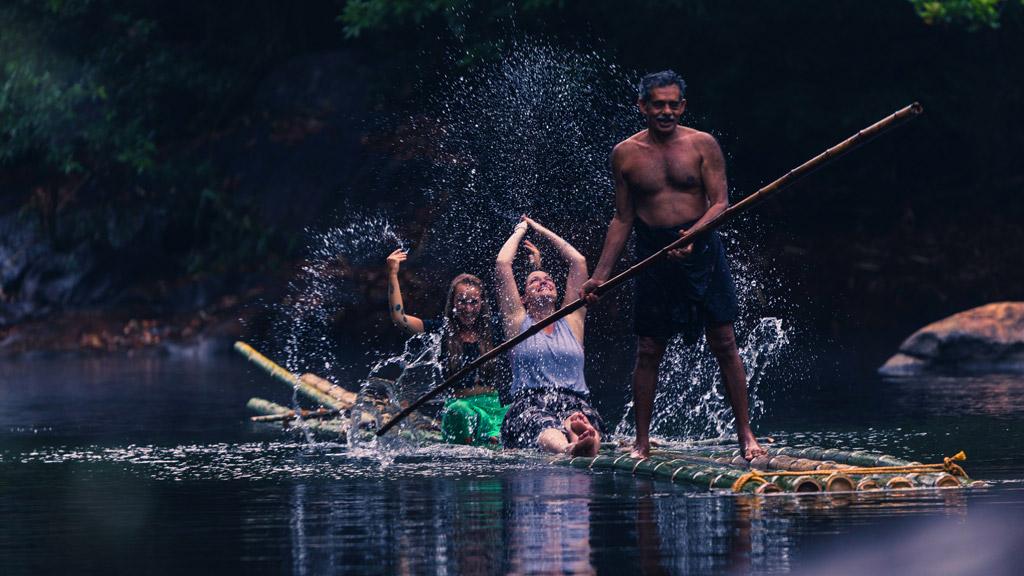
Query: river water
x=150, y=466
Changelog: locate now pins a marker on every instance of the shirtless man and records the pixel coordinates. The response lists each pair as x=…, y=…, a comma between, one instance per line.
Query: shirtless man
x=669, y=178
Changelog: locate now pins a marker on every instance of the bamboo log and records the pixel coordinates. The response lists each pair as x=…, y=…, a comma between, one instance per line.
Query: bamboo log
x=941, y=480
x=333, y=427
x=266, y=407
x=340, y=395
x=852, y=458
x=720, y=441
x=839, y=482
x=831, y=457
x=686, y=239
x=703, y=474
x=799, y=484
x=866, y=484
x=290, y=415
x=897, y=482
x=292, y=380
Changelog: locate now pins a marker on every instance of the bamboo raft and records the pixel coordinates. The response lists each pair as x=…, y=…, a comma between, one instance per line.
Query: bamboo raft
x=708, y=464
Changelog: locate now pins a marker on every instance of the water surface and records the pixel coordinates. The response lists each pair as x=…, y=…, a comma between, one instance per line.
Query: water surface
x=149, y=465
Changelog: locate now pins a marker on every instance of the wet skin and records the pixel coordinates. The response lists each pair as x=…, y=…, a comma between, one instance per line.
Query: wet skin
x=468, y=300
x=666, y=175
x=540, y=295
x=578, y=437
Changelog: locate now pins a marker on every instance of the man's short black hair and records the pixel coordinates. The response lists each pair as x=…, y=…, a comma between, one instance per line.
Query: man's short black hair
x=659, y=79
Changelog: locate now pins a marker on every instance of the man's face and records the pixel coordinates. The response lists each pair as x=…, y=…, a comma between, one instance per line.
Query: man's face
x=663, y=108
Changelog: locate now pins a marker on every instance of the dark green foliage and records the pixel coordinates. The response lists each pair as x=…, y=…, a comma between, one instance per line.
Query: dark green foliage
x=971, y=14
x=100, y=101
x=108, y=109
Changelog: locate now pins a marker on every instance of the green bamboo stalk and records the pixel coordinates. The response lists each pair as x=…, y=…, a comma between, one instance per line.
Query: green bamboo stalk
x=703, y=474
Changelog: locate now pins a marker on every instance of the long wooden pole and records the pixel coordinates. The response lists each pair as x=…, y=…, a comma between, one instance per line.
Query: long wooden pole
x=692, y=234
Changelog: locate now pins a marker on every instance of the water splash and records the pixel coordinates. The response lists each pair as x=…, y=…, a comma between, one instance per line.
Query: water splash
x=528, y=134
x=418, y=370
x=690, y=402
x=324, y=287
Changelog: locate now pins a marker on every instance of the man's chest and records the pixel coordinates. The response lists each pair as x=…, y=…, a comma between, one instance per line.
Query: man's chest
x=652, y=172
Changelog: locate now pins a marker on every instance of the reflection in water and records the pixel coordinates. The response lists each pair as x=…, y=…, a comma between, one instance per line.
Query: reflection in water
x=996, y=395
x=549, y=524
x=522, y=524
x=96, y=458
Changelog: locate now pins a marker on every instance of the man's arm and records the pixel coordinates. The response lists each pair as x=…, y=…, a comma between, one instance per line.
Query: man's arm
x=618, y=229
x=712, y=171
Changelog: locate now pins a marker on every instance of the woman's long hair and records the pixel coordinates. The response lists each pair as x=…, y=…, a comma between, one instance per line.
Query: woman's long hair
x=481, y=327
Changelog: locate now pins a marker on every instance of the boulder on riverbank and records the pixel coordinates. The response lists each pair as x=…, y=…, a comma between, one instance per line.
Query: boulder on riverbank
x=989, y=338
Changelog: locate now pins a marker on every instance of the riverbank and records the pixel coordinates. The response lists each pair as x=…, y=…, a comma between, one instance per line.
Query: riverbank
x=133, y=330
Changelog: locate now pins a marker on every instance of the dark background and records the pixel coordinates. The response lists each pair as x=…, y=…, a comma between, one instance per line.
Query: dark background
x=160, y=159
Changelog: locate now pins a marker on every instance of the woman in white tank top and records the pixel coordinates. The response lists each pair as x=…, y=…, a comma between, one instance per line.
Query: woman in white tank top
x=550, y=407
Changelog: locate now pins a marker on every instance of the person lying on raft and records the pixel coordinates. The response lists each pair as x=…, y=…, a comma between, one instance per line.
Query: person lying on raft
x=550, y=406
x=474, y=414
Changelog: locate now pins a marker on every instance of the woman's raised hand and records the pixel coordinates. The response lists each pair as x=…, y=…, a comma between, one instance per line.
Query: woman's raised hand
x=534, y=255
x=395, y=260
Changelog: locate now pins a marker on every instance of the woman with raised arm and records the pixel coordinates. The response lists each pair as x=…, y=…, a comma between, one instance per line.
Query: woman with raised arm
x=474, y=413
x=550, y=406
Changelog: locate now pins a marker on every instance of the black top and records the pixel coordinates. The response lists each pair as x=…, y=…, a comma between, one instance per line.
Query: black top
x=470, y=352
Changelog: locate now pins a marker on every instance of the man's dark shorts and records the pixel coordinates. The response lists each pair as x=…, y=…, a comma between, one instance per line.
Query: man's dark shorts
x=681, y=296
x=532, y=411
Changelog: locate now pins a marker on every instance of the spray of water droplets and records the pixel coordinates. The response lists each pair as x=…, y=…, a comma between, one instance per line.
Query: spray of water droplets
x=690, y=401
x=325, y=287
x=529, y=134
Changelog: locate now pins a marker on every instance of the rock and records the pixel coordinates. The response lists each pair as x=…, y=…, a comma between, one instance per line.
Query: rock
x=989, y=338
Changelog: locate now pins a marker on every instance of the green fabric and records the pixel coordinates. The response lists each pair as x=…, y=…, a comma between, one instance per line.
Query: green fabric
x=473, y=420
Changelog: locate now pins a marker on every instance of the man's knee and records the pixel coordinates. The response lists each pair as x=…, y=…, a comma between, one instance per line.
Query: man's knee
x=722, y=341
x=649, y=352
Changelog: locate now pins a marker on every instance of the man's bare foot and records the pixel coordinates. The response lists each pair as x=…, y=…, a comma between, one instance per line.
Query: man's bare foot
x=749, y=447
x=641, y=450
x=587, y=444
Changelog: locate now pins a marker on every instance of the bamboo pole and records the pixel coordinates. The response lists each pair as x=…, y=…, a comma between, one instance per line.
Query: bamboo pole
x=692, y=234
x=290, y=415
x=333, y=427
x=341, y=396
x=898, y=482
x=266, y=407
x=293, y=380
